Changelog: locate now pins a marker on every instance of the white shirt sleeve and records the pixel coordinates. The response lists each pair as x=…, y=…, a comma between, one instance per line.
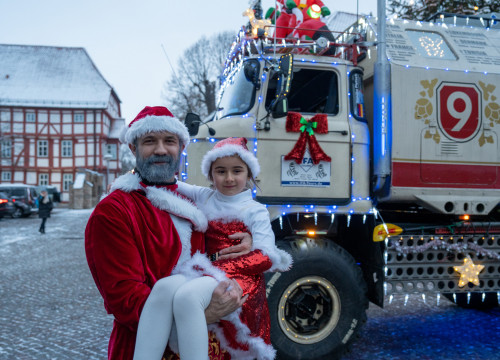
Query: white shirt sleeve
x=195, y=193
x=259, y=226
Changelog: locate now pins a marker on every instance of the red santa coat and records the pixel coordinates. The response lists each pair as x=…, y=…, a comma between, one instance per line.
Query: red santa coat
x=131, y=241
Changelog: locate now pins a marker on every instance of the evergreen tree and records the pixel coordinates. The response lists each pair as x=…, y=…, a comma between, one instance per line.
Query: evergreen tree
x=422, y=9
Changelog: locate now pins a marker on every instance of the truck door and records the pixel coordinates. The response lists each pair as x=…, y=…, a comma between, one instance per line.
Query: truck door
x=313, y=98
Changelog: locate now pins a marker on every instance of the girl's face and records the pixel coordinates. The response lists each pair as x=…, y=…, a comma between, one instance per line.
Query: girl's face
x=230, y=175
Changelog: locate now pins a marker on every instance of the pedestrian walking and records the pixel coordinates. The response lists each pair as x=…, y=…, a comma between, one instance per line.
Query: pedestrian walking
x=45, y=206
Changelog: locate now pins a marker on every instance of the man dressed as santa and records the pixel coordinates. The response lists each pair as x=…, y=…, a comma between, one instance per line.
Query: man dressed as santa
x=137, y=233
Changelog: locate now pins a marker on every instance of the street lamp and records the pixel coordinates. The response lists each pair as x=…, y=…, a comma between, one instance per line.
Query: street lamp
x=106, y=158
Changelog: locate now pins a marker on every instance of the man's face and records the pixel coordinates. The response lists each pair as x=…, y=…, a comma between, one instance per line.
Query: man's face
x=157, y=156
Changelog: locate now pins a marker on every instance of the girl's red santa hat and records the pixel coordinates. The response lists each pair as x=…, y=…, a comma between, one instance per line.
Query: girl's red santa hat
x=154, y=119
x=230, y=147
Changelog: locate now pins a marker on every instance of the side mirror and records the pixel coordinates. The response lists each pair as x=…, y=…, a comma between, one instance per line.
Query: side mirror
x=279, y=106
x=192, y=122
x=286, y=68
x=251, y=71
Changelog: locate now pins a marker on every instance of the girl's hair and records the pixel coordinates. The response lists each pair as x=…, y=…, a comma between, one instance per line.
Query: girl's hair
x=251, y=183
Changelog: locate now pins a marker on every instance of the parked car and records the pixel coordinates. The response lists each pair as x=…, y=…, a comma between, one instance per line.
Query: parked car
x=53, y=192
x=7, y=207
x=24, y=198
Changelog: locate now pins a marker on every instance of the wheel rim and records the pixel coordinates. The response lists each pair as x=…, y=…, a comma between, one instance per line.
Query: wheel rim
x=309, y=310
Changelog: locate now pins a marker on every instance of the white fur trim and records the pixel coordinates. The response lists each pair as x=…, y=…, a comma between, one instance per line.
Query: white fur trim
x=153, y=123
x=199, y=265
x=173, y=203
x=281, y=260
x=127, y=183
x=229, y=150
x=164, y=200
x=185, y=230
x=257, y=348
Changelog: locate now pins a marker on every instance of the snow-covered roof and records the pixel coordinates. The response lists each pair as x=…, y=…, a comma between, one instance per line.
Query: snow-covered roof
x=79, y=181
x=116, y=128
x=340, y=20
x=47, y=76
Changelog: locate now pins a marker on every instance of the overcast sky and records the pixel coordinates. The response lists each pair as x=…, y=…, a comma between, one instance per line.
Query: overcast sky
x=124, y=38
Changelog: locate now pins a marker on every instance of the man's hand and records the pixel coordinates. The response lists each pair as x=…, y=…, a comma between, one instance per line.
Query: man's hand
x=237, y=250
x=226, y=298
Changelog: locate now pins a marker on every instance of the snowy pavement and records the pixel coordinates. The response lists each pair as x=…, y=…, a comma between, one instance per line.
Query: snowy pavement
x=51, y=309
x=49, y=305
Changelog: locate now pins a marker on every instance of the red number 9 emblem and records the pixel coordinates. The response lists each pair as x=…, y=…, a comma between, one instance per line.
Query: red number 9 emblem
x=458, y=111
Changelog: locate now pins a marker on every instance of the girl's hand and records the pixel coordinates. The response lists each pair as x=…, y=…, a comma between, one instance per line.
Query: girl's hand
x=237, y=250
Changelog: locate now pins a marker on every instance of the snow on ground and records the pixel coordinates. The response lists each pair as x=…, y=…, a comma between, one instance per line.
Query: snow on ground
x=63, y=223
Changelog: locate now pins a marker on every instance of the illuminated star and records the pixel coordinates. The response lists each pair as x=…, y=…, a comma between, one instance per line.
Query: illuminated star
x=468, y=272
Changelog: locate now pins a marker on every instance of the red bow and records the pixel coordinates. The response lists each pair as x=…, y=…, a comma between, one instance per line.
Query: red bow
x=296, y=123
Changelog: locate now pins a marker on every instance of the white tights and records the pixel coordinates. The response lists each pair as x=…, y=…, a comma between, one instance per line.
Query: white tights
x=174, y=298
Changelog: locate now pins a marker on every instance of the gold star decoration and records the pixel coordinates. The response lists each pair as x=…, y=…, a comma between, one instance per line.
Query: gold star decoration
x=469, y=272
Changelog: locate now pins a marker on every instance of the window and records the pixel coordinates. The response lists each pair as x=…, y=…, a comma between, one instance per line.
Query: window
x=43, y=179
x=431, y=45
x=79, y=118
x=66, y=148
x=6, y=149
x=239, y=93
x=30, y=117
x=312, y=91
x=6, y=176
x=43, y=148
x=111, y=150
x=67, y=181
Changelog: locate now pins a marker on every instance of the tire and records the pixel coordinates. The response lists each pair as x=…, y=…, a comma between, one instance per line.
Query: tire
x=318, y=307
x=17, y=213
x=475, y=301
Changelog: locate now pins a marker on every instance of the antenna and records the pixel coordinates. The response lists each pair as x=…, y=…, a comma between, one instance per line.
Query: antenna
x=175, y=74
x=171, y=67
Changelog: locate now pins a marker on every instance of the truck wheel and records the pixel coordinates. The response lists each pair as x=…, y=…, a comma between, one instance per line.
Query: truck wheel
x=318, y=307
x=475, y=301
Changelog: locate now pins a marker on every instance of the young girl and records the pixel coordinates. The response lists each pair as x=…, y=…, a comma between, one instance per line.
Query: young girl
x=229, y=208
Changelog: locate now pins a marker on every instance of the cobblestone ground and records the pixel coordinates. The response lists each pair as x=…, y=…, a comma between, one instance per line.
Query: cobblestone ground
x=51, y=309
x=49, y=305
x=427, y=331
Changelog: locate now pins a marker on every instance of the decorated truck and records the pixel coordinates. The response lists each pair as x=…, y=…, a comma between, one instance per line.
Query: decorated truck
x=380, y=167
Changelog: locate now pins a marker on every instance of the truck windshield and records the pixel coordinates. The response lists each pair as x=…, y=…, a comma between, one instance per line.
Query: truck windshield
x=312, y=91
x=239, y=94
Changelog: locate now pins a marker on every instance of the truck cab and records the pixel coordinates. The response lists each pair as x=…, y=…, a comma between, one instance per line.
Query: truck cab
x=367, y=189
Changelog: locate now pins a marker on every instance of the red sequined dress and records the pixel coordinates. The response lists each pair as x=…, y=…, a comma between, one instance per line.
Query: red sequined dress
x=244, y=334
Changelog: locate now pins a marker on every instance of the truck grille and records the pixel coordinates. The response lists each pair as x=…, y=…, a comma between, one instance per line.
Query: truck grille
x=425, y=264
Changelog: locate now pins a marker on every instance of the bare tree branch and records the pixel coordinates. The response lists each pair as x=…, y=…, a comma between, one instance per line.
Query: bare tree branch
x=193, y=88
x=422, y=9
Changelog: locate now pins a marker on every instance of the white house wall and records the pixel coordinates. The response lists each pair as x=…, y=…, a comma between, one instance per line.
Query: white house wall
x=55, y=126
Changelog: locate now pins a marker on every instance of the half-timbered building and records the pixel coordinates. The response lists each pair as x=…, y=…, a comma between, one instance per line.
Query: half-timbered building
x=57, y=114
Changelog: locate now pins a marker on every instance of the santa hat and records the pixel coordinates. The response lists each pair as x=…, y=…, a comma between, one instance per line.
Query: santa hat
x=154, y=119
x=230, y=147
